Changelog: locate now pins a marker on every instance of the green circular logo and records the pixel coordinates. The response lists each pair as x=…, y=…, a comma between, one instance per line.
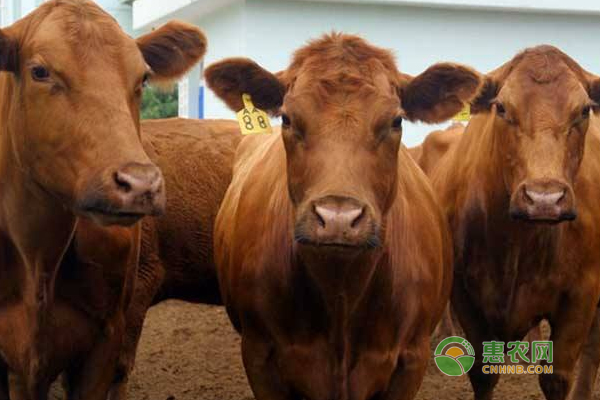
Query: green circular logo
x=454, y=356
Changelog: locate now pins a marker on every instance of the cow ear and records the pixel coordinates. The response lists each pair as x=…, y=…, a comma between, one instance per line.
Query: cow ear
x=9, y=52
x=439, y=93
x=233, y=77
x=172, y=50
x=484, y=100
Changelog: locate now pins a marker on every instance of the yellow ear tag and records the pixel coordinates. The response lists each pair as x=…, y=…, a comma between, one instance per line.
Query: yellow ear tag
x=252, y=120
x=464, y=115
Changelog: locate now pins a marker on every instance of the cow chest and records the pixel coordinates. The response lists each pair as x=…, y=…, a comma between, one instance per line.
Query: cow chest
x=514, y=280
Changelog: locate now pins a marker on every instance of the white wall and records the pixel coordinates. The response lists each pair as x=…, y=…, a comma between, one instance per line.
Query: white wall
x=270, y=30
x=560, y=6
x=225, y=32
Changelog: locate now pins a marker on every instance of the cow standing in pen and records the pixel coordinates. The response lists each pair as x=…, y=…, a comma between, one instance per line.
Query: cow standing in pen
x=334, y=259
x=71, y=160
x=520, y=191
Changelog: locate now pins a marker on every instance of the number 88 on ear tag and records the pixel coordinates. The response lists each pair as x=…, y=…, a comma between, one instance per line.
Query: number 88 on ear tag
x=252, y=120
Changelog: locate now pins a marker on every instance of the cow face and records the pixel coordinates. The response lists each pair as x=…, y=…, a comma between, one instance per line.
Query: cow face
x=74, y=81
x=342, y=103
x=540, y=106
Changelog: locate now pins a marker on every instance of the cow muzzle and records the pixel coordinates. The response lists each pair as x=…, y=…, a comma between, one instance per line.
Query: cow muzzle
x=549, y=201
x=339, y=222
x=132, y=192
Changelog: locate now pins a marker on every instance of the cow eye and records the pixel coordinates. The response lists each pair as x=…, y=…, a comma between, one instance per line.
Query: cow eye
x=40, y=74
x=397, y=123
x=286, y=123
x=145, y=83
x=500, y=110
x=585, y=113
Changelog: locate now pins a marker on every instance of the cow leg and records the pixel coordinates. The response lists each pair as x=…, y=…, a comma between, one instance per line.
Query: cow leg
x=119, y=387
x=262, y=371
x=18, y=388
x=447, y=326
x=150, y=277
x=476, y=332
x=408, y=376
x=136, y=314
x=21, y=389
x=570, y=327
x=588, y=363
x=93, y=378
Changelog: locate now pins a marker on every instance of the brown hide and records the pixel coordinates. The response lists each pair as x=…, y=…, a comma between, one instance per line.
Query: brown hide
x=196, y=158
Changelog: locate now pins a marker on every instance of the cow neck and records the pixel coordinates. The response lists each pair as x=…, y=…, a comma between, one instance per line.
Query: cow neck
x=34, y=223
x=342, y=282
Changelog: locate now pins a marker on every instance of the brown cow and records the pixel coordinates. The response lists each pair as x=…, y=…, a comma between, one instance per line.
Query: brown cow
x=521, y=196
x=334, y=258
x=71, y=157
x=176, y=258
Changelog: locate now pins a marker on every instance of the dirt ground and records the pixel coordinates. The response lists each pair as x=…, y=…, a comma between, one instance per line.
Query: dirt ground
x=190, y=352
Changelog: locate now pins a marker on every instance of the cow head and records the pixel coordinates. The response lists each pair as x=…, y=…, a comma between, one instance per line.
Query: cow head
x=342, y=103
x=72, y=81
x=539, y=107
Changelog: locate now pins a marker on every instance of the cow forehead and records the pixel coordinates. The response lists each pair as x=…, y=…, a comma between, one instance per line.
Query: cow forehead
x=544, y=76
x=342, y=68
x=75, y=34
x=345, y=91
x=540, y=93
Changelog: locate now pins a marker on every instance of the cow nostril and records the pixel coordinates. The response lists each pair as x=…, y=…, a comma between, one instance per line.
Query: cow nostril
x=122, y=182
x=528, y=195
x=356, y=220
x=320, y=212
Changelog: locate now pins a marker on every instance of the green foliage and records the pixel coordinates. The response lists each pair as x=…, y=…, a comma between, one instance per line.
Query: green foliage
x=158, y=103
